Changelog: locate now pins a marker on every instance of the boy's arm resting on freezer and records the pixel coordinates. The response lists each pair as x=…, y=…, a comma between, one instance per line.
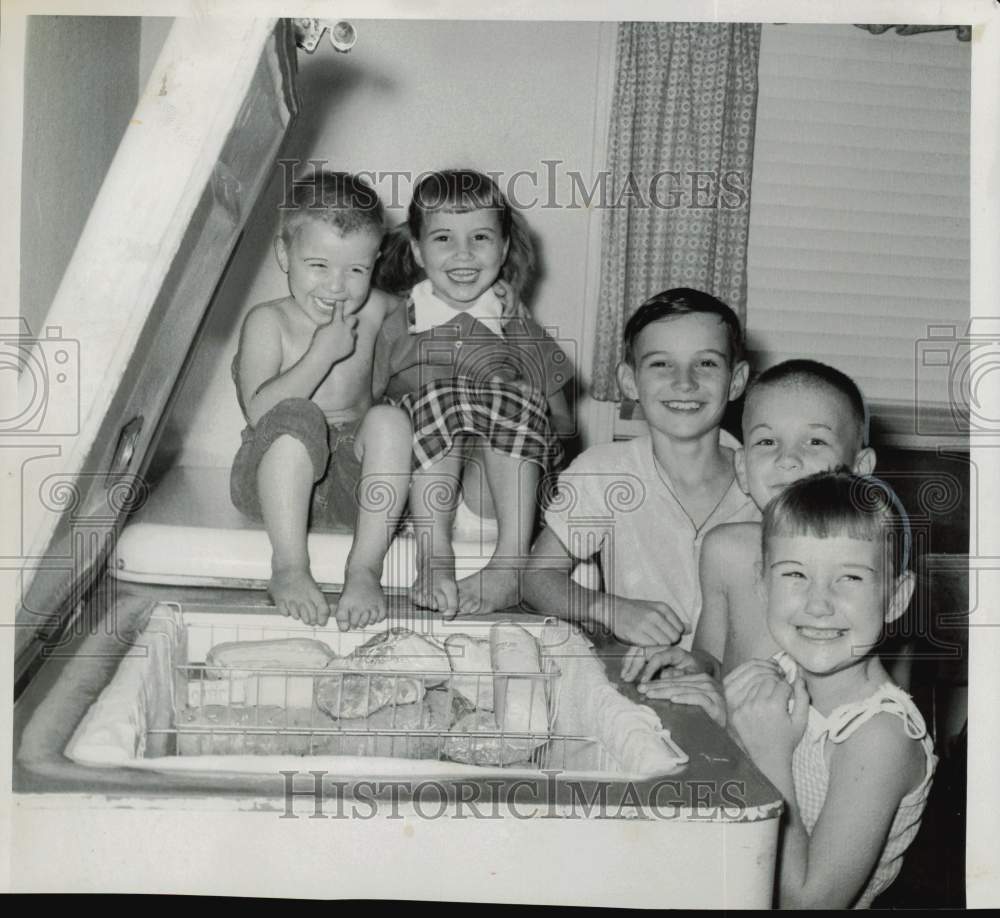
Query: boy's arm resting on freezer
x=549, y=588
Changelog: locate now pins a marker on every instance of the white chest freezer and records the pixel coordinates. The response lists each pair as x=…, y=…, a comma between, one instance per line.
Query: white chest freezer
x=137, y=768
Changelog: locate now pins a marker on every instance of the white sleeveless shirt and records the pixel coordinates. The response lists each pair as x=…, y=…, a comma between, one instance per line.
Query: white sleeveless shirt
x=812, y=776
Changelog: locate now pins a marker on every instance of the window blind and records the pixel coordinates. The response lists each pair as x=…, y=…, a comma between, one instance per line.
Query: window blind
x=859, y=215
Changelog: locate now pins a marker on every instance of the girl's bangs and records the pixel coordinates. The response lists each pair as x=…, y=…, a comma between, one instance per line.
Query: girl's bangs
x=459, y=193
x=835, y=504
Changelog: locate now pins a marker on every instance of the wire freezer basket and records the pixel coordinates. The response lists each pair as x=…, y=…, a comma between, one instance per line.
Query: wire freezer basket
x=171, y=706
x=425, y=715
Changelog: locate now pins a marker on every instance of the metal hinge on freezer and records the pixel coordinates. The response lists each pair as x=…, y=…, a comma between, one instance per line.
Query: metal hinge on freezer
x=308, y=33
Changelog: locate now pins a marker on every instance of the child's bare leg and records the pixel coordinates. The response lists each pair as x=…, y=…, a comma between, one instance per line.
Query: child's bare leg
x=285, y=484
x=383, y=446
x=434, y=495
x=475, y=489
x=514, y=484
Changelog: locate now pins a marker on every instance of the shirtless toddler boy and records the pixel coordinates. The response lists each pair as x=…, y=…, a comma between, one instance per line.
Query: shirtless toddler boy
x=304, y=379
x=799, y=417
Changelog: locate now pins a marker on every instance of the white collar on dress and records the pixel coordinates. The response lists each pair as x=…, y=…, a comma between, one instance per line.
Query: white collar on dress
x=430, y=311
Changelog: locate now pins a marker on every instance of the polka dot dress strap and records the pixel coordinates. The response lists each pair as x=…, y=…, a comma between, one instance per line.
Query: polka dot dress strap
x=888, y=700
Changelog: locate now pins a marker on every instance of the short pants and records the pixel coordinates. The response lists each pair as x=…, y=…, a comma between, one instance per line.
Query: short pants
x=336, y=467
x=511, y=421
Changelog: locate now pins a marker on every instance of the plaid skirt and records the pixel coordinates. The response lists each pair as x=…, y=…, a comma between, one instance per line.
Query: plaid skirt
x=511, y=421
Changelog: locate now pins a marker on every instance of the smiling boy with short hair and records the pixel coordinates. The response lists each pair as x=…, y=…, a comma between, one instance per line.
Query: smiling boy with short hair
x=304, y=381
x=800, y=417
x=645, y=506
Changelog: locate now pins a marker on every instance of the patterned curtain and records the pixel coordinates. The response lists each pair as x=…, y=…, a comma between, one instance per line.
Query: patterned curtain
x=679, y=156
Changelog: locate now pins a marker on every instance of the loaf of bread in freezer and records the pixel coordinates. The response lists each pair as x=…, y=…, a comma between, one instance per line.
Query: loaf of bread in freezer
x=471, y=655
x=484, y=745
x=354, y=694
x=195, y=736
x=436, y=712
x=362, y=690
x=519, y=701
x=289, y=653
x=401, y=650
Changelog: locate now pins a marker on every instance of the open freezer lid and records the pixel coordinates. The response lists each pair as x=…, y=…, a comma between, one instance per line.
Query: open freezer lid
x=196, y=155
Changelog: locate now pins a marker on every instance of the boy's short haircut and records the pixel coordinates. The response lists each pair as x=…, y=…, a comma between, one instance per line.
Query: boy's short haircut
x=840, y=503
x=681, y=301
x=812, y=373
x=339, y=199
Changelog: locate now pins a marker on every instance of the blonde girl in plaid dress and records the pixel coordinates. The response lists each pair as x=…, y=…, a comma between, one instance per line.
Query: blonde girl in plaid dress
x=483, y=384
x=822, y=720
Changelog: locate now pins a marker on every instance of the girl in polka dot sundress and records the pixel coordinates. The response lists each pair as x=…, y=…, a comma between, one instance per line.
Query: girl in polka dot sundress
x=845, y=746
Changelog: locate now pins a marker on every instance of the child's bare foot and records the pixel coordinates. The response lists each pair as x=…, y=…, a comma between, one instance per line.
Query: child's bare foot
x=295, y=594
x=435, y=586
x=362, y=601
x=492, y=589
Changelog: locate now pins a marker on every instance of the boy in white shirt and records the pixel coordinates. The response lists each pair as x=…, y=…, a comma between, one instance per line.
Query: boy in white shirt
x=643, y=507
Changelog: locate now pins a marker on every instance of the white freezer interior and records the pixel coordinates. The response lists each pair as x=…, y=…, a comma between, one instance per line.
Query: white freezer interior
x=139, y=718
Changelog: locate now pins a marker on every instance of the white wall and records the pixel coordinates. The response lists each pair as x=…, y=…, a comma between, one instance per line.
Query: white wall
x=79, y=93
x=497, y=96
